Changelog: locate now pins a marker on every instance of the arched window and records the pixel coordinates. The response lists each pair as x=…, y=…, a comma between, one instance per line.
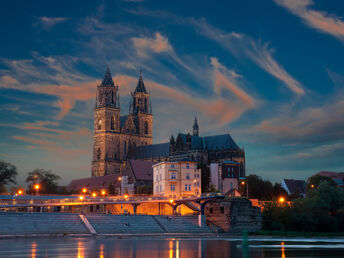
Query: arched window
x=145, y=107
x=112, y=123
x=112, y=98
x=146, y=128
x=99, y=126
x=139, y=104
x=98, y=154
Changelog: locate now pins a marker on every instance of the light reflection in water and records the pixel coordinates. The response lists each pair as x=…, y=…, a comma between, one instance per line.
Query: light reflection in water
x=81, y=249
x=177, y=249
x=170, y=250
x=101, y=252
x=33, y=249
x=282, y=250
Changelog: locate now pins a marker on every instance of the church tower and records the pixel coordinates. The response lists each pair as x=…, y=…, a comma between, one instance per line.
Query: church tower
x=142, y=111
x=106, y=152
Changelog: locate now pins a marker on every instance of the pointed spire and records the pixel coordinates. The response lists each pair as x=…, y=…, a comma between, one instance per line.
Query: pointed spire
x=107, y=81
x=195, y=127
x=140, y=85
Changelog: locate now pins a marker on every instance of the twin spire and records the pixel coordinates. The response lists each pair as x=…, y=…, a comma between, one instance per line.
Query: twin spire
x=108, y=82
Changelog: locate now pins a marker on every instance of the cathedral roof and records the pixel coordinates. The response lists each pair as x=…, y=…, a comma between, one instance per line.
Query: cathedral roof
x=150, y=151
x=222, y=141
x=140, y=85
x=107, y=81
x=142, y=170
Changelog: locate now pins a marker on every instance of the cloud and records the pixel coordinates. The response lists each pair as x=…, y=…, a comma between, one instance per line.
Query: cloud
x=321, y=21
x=145, y=45
x=242, y=45
x=49, y=22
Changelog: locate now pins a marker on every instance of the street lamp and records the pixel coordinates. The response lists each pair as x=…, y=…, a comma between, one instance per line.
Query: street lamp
x=281, y=199
x=81, y=198
x=94, y=194
x=103, y=192
x=37, y=186
x=20, y=192
x=171, y=200
x=84, y=190
x=120, y=187
x=243, y=183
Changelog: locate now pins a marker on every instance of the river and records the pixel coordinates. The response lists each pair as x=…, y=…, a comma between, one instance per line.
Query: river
x=168, y=247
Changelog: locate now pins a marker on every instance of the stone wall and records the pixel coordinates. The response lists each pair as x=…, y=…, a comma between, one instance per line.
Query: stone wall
x=234, y=215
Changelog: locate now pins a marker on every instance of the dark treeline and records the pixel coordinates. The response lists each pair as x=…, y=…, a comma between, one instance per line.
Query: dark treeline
x=322, y=210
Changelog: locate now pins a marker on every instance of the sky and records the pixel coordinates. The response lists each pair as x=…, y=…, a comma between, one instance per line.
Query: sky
x=270, y=73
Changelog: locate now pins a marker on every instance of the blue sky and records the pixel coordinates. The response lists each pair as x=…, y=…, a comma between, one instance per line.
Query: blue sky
x=269, y=72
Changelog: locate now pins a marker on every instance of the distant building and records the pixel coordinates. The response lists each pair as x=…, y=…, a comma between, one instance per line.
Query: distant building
x=294, y=187
x=337, y=177
x=225, y=175
x=175, y=179
x=94, y=183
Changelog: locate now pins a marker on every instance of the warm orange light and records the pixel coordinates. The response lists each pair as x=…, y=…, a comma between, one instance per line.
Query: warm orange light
x=81, y=198
x=84, y=190
x=312, y=186
x=126, y=196
x=103, y=192
x=242, y=182
x=120, y=178
x=171, y=200
x=94, y=194
x=20, y=192
x=37, y=186
x=281, y=199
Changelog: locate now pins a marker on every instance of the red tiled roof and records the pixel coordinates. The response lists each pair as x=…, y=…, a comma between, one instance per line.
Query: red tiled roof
x=93, y=182
x=143, y=170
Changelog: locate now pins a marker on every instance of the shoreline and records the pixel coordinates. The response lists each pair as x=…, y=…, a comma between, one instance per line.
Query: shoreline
x=214, y=236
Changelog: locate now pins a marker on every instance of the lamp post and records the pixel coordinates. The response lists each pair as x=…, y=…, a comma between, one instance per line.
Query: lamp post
x=37, y=186
x=120, y=187
x=245, y=183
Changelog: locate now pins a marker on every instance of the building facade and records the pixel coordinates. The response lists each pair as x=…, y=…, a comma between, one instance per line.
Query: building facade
x=115, y=135
x=175, y=179
x=225, y=175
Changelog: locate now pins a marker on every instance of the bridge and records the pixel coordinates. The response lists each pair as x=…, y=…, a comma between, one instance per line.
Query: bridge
x=27, y=201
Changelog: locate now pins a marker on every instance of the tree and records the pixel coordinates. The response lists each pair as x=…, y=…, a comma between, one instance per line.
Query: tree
x=45, y=178
x=315, y=181
x=144, y=189
x=259, y=188
x=8, y=173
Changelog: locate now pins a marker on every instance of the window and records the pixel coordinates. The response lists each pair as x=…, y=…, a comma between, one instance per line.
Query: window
x=160, y=176
x=222, y=209
x=195, y=175
x=211, y=210
x=112, y=123
x=98, y=153
x=173, y=187
x=99, y=126
x=186, y=187
x=157, y=177
x=187, y=176
x=172, y=165
x=145, y=128
x=189, y=187
x=187, y=165
x=160, y=188
x=157, y=188
x=173, y=175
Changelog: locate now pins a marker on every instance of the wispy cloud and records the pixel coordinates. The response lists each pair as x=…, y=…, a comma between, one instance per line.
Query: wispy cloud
x=49, y=22
x=157, y=45
x=321, y=21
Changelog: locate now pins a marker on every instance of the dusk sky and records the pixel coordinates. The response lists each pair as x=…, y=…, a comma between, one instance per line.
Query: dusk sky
x=269, y=72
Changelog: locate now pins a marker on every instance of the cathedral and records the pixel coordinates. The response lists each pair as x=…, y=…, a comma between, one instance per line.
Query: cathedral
x=119, y=139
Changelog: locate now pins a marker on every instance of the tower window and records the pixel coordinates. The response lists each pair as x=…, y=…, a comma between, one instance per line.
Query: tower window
x=112, y=123
x=98, y=154
x=99, y=126
x=146, y=128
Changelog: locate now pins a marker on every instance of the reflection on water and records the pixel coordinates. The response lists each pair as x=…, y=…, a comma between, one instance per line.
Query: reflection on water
x=170, y=248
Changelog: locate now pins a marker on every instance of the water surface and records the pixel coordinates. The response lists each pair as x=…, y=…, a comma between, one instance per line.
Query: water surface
x=179, y=248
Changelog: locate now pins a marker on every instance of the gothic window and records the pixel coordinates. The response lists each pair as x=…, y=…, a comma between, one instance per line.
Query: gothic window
x=139, y=104
x=99, y=126
x=125, y=147
x=145, y=107
x=146, y=128
x=112, y=98
x=112, y=123
x=98, y=154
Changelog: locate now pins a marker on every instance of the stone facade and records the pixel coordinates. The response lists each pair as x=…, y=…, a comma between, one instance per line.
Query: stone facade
x=234, y=215
x=115, y=135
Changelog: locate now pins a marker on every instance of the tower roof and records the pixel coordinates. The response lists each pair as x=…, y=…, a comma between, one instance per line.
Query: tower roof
x=195, y=125
x=107, y=81
x=140, y=85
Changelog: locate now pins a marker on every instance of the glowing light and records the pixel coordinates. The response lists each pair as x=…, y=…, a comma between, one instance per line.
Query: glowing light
x=125, y=196
x=94, y=194
x=282, y=250
x=120, y=178
x=33, y=250
x=37, y=186
x=242, y=182
x=20, y=192
x=81, y=198
x=84, y=190
x=171, y=200
x=281, y=199
x=103, y=192
x=312, y=186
